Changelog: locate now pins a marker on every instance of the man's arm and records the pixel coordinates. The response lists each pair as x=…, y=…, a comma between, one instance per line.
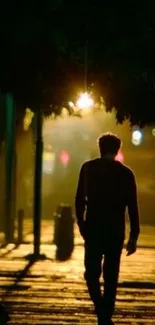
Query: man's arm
x=80, y=200
x=133, y=215
x=133, y=208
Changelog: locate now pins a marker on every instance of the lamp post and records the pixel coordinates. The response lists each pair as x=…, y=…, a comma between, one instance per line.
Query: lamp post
x=38, y=184
x=10, y=169
x=37, y=208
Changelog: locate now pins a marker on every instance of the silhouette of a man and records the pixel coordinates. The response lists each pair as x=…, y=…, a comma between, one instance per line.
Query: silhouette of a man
x=105, y=188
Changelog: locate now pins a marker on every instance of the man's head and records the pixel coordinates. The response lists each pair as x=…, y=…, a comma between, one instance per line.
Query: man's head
x=109, y=145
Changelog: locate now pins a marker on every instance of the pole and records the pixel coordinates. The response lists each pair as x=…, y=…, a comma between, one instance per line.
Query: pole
x=20, y=226
x=38, y=183
x=9, y=166
x=14, y=190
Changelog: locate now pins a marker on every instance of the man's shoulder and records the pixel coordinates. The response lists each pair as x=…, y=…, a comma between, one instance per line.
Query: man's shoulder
x=91, y=162
x=129, y=172
x=95, y=163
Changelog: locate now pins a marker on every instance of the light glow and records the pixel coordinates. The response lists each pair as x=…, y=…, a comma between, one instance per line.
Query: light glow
x=120, y=157
x=48, y=162
x=85, y=102
x=64, y=157
x=71, y=104
x=27, y=119
x=153, y=132
x=137, y=137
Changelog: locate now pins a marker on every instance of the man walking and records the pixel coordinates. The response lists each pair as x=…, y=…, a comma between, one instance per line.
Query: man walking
x=105, y=188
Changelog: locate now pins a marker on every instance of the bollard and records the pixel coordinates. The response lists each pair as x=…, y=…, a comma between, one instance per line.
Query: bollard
x=64, y=232
x=20, y=225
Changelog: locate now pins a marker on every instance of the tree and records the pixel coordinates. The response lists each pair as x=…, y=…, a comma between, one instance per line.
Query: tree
x=48, y=52
x=120, y=58
x=128, y=63
x=45, y=51
x=32, y=57
x=133, y=93
x=30, y=51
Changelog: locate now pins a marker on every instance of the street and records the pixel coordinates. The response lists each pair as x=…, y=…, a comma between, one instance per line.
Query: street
x=49, y=292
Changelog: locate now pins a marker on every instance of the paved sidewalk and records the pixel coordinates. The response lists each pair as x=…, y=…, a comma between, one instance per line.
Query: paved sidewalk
x=49, y=292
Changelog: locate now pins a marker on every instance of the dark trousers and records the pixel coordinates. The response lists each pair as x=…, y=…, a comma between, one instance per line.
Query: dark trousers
x=109, y=268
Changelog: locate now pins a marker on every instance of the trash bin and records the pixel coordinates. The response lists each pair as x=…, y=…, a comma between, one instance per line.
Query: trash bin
x=64, y=232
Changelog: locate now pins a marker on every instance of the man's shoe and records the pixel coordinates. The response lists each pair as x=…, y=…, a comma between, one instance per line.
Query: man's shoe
x=109, y=322
x=4, y=316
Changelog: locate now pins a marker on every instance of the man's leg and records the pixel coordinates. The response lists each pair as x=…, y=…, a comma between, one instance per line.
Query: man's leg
x=4, y=316
x=110, y=276
x=92, y=261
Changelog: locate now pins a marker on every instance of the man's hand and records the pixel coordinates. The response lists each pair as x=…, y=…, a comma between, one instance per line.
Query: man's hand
x=131, y=246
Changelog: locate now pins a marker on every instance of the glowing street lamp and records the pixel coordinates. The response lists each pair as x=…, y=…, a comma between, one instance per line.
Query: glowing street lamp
x=137, y=137
x=85, y=102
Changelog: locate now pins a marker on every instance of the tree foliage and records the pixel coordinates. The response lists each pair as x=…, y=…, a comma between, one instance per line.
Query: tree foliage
x=128, y=80
x=33, y=51
x=120, y=43
x=48, y=50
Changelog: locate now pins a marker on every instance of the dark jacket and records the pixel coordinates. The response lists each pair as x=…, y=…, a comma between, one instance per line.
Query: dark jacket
x=105, y=189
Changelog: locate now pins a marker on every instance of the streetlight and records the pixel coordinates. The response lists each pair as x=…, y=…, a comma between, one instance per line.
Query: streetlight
x=85, y=102
x=137, y=137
